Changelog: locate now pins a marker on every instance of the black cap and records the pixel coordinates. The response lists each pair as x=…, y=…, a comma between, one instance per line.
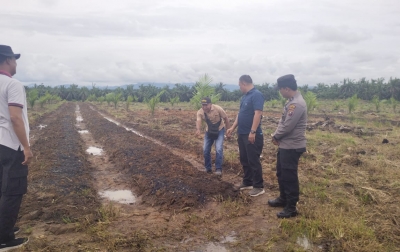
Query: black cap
x=7, y=51
x=205, y=101
x=286, y=81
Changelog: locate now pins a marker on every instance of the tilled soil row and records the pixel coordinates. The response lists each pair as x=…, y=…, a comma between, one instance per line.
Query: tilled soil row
x=60, y=191
x=160, y=177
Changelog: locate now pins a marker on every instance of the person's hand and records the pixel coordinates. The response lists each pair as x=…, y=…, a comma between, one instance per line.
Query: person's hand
x=28, y=156
x=229, y=132
x=252, y=138
x=274, y=141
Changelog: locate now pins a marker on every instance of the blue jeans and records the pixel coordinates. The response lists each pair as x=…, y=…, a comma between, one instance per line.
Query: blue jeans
x=219, y=143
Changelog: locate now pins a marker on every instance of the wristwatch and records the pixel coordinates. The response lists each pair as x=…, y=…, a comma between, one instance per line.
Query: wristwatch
x=252, y=132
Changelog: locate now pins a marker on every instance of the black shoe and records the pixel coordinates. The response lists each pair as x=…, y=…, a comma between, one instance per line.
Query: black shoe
x=278, y=202
x=209, y=171
x=13, y=244
x=16, y=230
x=287, y=213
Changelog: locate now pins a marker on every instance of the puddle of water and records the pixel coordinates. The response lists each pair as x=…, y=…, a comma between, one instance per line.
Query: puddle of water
x=79, y=119
x=134, y=131
x=304, y=242
x=83, y=131
x=111, y=120
x=121, y=196
x=230, y=238
x=42, y=126
x=95, y=151
x=211, y=247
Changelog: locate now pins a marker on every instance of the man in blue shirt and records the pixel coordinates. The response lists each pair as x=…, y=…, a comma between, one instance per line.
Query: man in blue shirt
x=250, y=136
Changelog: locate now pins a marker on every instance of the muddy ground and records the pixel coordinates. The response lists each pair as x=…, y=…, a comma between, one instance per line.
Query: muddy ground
x=178, y=207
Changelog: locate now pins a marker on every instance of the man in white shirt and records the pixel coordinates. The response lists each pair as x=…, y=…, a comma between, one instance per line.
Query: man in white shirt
x=15, y=152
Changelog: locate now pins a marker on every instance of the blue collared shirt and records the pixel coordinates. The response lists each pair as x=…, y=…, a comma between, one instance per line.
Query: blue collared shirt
x=250, y=102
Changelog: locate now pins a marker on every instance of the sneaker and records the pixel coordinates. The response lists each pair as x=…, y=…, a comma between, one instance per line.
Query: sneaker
x=256, y=191
x=13, y=244
x=209, y=171
x=16, y=230
x=218, y=172
x=244, y=187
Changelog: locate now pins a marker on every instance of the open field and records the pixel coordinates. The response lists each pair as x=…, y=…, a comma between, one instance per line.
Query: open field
x=349, y=183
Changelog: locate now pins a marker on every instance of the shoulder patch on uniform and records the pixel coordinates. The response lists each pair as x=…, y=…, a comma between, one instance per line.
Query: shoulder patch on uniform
x=291, y=109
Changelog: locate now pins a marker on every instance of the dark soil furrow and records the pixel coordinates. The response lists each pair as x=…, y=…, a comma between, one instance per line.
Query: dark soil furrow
x=162, y=178
x=60, y=189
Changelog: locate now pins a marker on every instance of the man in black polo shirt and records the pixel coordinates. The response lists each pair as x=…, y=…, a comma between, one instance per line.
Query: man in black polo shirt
x=250, y=136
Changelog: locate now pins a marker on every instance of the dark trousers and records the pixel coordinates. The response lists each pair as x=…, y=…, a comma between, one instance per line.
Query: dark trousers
x=13, y=184
x=287, y=161
x=250, y=160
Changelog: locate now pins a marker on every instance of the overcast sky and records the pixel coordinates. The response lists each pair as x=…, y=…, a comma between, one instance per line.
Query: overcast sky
x=175, y=41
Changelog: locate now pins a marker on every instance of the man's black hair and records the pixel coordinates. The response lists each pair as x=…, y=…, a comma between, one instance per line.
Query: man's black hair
x=246, y=78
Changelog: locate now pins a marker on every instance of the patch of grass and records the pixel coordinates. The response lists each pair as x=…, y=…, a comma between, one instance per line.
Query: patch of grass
x=107, y=212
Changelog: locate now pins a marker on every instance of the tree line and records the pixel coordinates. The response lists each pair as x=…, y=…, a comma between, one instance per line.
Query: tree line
x=363, y=88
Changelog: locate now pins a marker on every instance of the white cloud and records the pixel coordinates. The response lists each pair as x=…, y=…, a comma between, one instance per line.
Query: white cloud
x=125, y=41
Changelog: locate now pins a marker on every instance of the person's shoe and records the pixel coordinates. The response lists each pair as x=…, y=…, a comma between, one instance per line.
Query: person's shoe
x=218, y=172
x=256, y=192
x=209, y=171
x=13, y=244
x=278, y=202
x=16, y=230
x=244, y=187
x=287, y=213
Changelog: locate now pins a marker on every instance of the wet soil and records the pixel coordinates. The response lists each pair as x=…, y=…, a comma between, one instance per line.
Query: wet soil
x=162, y=178
x=60, y=192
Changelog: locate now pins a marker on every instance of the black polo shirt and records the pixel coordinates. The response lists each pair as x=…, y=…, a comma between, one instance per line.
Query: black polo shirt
x=251, y=101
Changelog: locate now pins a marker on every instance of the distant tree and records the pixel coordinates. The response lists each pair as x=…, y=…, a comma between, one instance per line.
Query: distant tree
x=352, y=103
x=311, y=101
x=174, y=100
x=32, y=97
x=101, y=99
x=377, y=103
x=45, y=98
x=203, y=89
x=152, y=102
x=129, y=100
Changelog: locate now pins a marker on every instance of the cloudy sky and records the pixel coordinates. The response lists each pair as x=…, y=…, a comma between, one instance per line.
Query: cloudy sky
x=175, y=41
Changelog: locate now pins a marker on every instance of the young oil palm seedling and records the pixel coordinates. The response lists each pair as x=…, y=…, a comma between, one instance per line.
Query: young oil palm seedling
x=352, y=103
x=311, y=101
x=152, y=103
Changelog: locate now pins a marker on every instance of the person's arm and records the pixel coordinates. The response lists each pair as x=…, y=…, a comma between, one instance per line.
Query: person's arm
x=293, y=115
x=233, y=127
x=227, y=123
x=224, y=116
x=198, y=124
x=19, y=129
x=256, y=123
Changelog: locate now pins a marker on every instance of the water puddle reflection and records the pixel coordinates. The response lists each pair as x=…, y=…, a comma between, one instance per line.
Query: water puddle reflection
x=304, y=242
x=83, y=131
x=95, y=151
x=212, y=247
x=120, y=196
x=42, y=126
x=230, y=238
